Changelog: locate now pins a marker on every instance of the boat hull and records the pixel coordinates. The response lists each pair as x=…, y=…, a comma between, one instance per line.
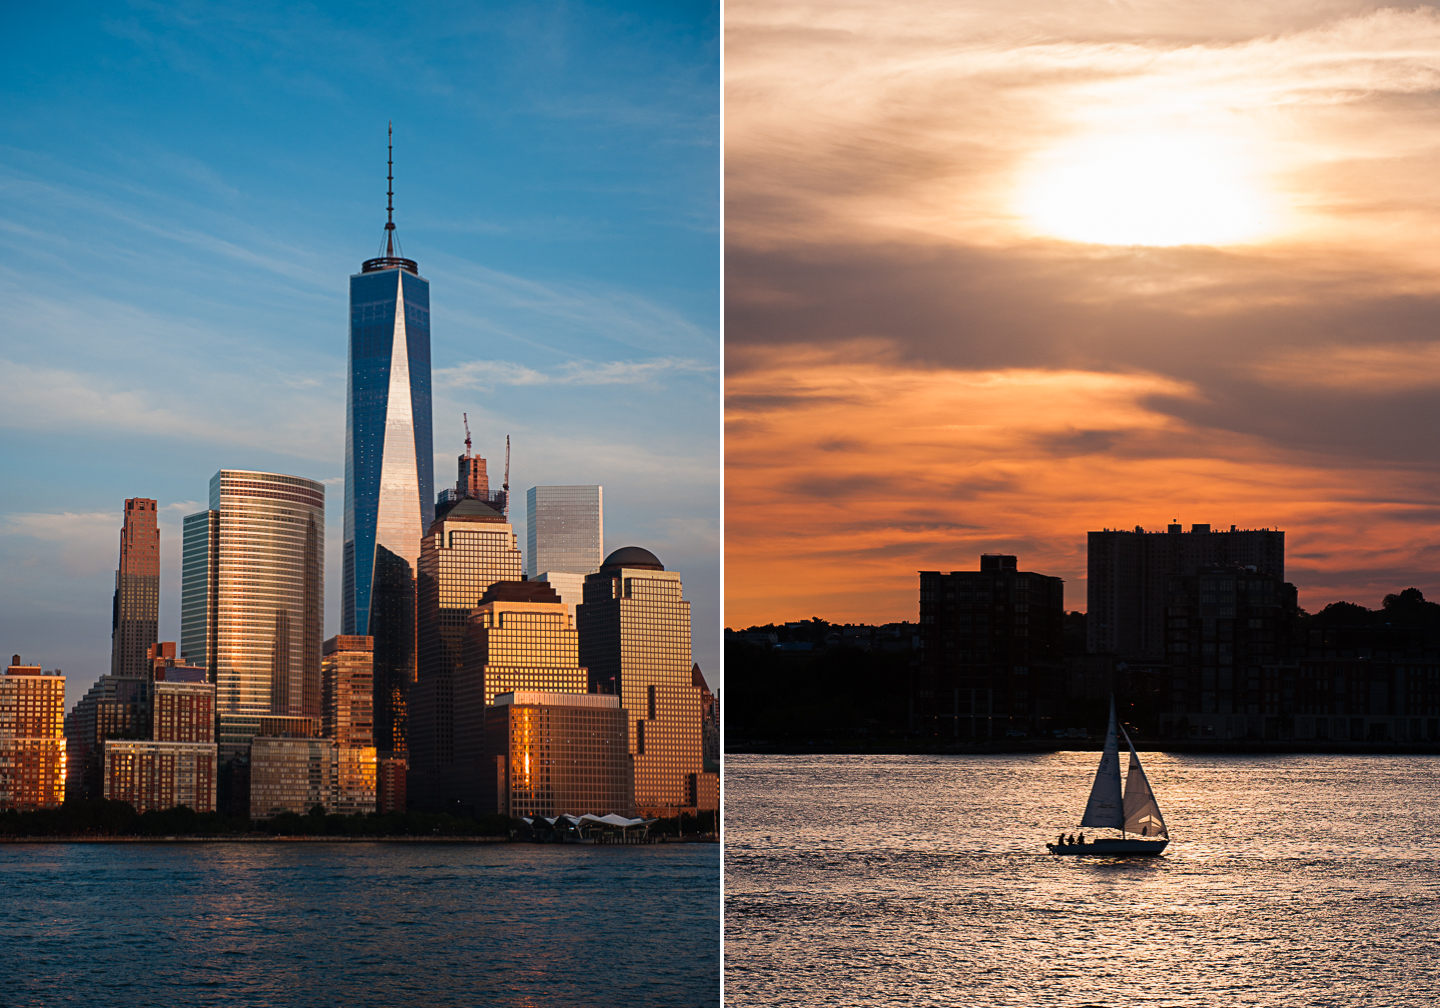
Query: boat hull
x=1108, y=848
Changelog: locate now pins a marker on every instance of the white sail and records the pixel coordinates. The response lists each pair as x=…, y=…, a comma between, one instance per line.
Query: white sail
x=1142, y=814
x=1106, y=807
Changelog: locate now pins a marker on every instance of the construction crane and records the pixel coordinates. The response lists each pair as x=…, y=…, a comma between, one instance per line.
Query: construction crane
x=506, y=485
x=466, y=418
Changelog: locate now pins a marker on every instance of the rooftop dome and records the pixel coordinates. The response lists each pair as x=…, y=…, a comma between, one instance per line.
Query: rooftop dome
x=633, y=556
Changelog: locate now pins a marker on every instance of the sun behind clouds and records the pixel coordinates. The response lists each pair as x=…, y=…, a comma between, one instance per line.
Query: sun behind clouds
x=1147, y=189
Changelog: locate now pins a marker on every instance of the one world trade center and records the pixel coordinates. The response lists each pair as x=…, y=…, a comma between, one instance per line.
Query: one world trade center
x=389, y=475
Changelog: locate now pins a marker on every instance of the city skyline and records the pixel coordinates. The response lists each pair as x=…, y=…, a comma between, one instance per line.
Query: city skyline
x=213, y=335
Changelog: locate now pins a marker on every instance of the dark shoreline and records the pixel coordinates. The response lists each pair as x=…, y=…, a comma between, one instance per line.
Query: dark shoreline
x=833, y=747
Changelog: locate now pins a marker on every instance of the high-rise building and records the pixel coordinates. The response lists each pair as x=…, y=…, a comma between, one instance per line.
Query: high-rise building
x=570, y=587
x=1128, y=572
x=32, y=738
x=519, y=638
x=136, y=620
x=115, y=707
x=292, y=774
x=252, y=595
x=635, y=640
x=160, y=775
x=564, y=529
x=556, y=753
x=348, y=678
x=469, y=547
x=389, y=473
x=709, y=721
x=1227, y=631
x=992, y=655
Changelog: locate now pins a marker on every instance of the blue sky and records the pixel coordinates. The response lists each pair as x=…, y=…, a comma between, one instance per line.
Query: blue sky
x=187, y=188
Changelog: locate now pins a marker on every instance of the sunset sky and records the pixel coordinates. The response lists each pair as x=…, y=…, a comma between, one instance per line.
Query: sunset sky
x=1002, y=273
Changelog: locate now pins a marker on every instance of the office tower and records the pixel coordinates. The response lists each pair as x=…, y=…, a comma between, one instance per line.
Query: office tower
x=390, y=784
x=556, y=753
x=174, y=763
x=116, y=706
x=348, y=674
x=635, y=641
x=292, y=774
x=519, y=638
x=469, y=547
x=709, y=721
x=348, y=678
x=164, y=664
x=564, y=529
x=1128, y=572
x=992, y=656
x=136, y=620
x=570, y=587
x=251, y=599
x=389, y=472
x=32, y=738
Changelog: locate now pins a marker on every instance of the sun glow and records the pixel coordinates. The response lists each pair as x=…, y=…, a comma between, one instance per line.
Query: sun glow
x=1155, y=189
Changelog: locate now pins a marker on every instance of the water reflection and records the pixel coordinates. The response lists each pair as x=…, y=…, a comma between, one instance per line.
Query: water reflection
x=362, y=924
x=924, y=881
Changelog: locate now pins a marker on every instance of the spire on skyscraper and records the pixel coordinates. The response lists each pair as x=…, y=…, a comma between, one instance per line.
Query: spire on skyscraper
x=393, y=256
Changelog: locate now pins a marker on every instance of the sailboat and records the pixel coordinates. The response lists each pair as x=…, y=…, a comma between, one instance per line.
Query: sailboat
x=1133, y=812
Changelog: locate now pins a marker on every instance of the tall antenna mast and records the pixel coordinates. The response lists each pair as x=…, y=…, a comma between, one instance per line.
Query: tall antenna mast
x=390, y=191
x=467, y=434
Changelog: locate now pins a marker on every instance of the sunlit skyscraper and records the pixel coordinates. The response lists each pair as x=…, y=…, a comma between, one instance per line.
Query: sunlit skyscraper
x=389, y=473
x=635, y=640
x=136, y=622
x=252, y=595
x=564, y=529
x=468, y=548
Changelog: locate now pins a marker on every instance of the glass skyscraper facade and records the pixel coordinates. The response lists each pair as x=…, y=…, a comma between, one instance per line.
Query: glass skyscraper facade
x=635, y=641
x=564, y=529
x=252, y=599
x=469, y=547
x=389, y=476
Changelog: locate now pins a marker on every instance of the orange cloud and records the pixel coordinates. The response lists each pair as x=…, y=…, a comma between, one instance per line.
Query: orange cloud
x=848, y=471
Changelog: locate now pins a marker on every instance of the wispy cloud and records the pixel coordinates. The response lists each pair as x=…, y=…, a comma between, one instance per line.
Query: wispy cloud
x=482, y=374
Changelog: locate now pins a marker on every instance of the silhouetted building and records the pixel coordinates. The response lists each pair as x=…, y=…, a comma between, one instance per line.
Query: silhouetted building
x=709, y=721
x=1128, y=574
x=136, y=620
x=389, y=474
x=556, y=753
x=1227, y=632
x=469, y=547
x=635, y=640
x=252, y=599
x=519, y=638
x=565, y=529
x=991, y=656
x=32, y=738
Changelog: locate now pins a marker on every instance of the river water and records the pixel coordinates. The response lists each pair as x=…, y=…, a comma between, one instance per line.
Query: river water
x=1296, y=880
x=316, y=925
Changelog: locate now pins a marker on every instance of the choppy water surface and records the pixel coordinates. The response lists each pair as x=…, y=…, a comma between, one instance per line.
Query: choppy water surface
x=916, y=881
x=279, y=925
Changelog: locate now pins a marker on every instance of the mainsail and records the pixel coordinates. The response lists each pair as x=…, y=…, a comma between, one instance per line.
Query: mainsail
x=1106, y=807
x=1142, y=814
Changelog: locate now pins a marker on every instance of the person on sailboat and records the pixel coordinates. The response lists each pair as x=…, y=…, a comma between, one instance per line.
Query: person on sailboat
x=1082, y=838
